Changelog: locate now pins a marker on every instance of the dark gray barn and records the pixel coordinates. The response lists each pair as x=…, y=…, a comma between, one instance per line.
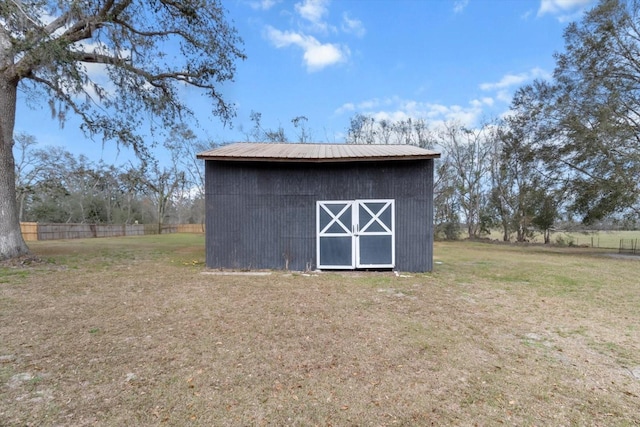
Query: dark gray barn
x=319, y=206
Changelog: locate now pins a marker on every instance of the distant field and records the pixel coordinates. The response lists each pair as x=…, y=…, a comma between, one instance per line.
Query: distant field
x=135, y=331
x=596, y=239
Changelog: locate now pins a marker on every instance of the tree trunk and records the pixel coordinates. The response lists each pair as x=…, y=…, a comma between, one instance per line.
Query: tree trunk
x=160, y=212
x=11, y=242
x=520, y=235
x=23, y=195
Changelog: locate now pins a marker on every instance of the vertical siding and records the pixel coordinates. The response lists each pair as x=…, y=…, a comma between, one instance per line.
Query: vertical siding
x=414, y=217
x=262, y=215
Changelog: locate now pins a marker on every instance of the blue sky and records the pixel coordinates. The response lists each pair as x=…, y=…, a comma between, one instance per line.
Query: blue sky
x=330, y=59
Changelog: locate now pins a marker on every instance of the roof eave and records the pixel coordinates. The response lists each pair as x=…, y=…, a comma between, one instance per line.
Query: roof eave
x=318, y=160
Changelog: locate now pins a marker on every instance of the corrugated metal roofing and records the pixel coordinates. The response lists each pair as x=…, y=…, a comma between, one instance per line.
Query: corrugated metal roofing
x=265, y=152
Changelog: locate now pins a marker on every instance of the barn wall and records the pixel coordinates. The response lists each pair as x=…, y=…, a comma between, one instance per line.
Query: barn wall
x=262, y=215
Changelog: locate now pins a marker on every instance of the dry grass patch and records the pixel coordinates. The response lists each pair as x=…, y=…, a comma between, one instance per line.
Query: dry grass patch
x=130, y=332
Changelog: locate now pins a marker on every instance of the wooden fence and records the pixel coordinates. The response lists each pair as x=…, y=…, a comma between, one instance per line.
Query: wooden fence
x=29, y=231
x=190, y=228
x=628, y=246
x=32, y=231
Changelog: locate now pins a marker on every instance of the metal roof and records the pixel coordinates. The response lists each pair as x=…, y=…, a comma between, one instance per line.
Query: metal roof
x=279, y=152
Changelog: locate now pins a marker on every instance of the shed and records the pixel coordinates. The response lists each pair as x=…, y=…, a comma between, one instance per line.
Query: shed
x=319, y=207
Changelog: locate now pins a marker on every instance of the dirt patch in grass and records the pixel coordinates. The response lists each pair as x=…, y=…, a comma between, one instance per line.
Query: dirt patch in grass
x=132, y=333
x=21, y=261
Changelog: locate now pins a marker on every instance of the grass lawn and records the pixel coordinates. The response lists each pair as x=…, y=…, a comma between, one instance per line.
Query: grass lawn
x=135, y=331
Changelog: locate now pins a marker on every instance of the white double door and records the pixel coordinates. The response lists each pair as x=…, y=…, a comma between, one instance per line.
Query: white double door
x=355, y=234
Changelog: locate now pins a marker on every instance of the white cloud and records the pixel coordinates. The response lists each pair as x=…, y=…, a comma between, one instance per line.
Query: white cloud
x=435, y=114
x=558, y=6
x=460, y=5
x=352, y=26
x=504, y=88
x=313, y=10
x=370, y=104
x=346, y=108
x=316, y=55
x=311, y=18
x=511, y=80
x=395, y=109
x=263, y=4
x=506, y=81
x=504, y=96
x=367, y=105
x=565, y=10
x=482, y=102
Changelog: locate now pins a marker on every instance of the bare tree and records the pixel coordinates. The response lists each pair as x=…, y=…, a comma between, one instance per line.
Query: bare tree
x=386, y=130
x=446, y=205
x=403, y=131
x=260, y=134
x=423, y=134
x=300, y=122
x=467, y=152
x=28, y=168
x=161, y=185
x=364, y=129
x=183, y=145
x=527, y=185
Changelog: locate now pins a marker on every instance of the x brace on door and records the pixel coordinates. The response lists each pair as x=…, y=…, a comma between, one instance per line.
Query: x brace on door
x=343, y=243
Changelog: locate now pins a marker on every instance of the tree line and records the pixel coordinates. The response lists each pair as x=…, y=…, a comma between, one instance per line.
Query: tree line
x=54, y=185
x=486, y=179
